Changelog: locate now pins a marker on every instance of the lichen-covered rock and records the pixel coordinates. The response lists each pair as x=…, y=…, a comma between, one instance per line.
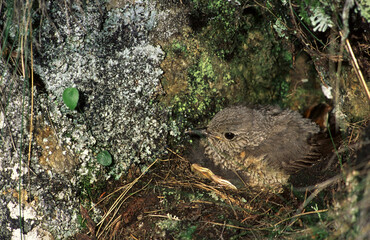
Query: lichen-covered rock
x=49, y=200
x=104, y=52
x=13, y=104
x=107, y=57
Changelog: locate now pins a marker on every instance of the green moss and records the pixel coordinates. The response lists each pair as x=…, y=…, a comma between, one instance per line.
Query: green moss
x=225, y=25
x=169, y=224
x=178, y=47
x=229, y=56
x=364, y=7
x=188, y=233
x=89, y=186
x=280, y=28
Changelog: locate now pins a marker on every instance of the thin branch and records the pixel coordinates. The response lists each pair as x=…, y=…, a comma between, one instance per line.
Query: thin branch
x=31, y=114
x=357, y=68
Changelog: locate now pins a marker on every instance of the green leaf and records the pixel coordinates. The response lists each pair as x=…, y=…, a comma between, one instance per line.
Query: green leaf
x=70, y=97
x=104, y=158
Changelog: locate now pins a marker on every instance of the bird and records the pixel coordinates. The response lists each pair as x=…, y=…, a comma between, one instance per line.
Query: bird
x=257, y=147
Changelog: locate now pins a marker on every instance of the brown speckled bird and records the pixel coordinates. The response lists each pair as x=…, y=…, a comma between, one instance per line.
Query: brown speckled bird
x=257, y=147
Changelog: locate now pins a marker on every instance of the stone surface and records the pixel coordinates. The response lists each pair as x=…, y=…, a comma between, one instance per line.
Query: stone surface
x=107, y=57
x=104, y=51
x=48, y=200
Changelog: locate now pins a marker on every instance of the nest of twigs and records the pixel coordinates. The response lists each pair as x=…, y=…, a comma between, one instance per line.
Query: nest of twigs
x=168, y=201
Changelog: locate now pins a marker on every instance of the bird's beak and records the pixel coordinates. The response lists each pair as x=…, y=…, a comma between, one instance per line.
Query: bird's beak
x=202, y=133
x=197, y=132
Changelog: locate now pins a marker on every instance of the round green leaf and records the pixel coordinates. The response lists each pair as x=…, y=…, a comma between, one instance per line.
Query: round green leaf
x=70, y=97
x=104, y=158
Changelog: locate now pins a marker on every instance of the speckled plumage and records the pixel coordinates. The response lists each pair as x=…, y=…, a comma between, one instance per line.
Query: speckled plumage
x=260, y=147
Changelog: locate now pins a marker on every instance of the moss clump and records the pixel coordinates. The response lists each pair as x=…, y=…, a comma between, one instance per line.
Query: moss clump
x=364, y=7
x=221, y=24
x=223, y=58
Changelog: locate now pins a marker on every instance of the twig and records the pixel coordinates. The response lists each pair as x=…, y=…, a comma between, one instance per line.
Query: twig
x=357, y=68
x=168, y=216
x=222, y=231
x=31, y=114
x=175, y=154
x=133, y=236
x=319, y=187
x=120, y=200
x=301, y=214
x=233, y=226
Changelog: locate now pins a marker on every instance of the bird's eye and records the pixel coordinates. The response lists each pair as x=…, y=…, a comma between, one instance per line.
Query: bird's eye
x=229, y=135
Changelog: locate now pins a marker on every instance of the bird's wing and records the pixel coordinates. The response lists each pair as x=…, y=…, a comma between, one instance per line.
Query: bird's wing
x=290, y=146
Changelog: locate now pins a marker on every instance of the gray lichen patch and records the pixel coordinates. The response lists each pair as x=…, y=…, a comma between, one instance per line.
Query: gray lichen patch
x=107, y=57
x=48, y=200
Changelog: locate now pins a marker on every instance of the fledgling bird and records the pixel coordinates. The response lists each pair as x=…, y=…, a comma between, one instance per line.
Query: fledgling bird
x=257, y=147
